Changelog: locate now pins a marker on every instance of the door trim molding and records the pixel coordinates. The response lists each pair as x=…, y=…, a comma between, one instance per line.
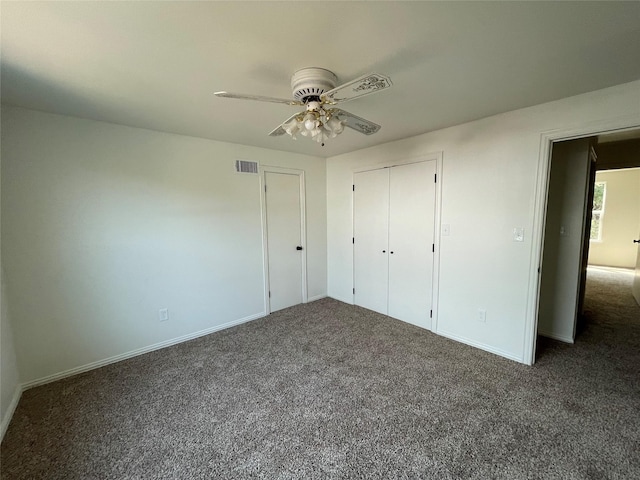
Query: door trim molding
x=264, y=169
x=539, y=213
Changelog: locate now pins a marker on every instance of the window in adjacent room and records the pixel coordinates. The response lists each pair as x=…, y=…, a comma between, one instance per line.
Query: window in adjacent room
x=599, y=194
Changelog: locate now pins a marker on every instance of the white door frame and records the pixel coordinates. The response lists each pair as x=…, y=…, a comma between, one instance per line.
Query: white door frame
x=540, y=212
x=264, y=169
x=428, y=157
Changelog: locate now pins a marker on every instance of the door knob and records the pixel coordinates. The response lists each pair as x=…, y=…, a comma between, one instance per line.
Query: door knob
x=298, y=247
x=636, y=241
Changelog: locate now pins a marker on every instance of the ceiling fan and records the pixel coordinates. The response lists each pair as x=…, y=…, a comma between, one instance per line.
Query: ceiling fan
x=315, y=89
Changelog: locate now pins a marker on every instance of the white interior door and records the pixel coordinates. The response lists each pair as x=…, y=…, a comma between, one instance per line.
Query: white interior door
x=371, y=227
x=284, y=239
x=412, y=197
x=636, y=278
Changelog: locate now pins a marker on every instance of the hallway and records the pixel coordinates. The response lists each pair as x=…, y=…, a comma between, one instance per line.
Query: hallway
x=609, y=331
x=609, y=306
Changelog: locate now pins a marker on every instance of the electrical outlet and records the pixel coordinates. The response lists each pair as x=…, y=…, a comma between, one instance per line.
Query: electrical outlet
x=482, y=315
x=163, y=314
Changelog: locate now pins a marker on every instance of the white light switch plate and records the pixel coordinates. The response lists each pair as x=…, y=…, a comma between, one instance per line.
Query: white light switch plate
x=518, y=234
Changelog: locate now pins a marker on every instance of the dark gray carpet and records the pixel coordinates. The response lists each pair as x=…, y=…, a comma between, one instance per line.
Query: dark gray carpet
x=328, y=390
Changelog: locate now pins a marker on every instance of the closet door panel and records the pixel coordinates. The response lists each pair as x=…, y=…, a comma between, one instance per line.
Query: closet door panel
x=411, y=237
x=371, y=227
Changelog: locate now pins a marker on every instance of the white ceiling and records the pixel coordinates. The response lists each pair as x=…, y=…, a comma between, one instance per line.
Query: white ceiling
x=156, y=64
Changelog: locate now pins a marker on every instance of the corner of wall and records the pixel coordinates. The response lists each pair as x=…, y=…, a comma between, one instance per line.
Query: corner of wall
x=10, y=387
x=8, y=414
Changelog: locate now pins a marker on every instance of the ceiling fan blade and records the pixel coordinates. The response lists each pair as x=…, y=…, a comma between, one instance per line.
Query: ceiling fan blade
x=371, y=83
x=259, y=98
x=280, y=130
x=359, y=124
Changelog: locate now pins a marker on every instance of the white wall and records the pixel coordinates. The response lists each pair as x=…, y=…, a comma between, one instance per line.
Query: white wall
x=10, y=388
x=488, y=188
x=104, y=224
x=564, y=239
x=621, y=222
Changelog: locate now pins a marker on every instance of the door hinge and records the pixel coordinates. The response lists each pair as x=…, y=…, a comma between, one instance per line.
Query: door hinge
x=435, y=178
x=269, y=293
x=353, y=188
x=265, y=188
x=354, y=291
x=433, y=247
x=353, y=239
x=430, y=313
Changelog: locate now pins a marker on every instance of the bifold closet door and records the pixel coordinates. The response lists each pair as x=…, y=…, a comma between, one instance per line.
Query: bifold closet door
x=370, y=227
x=411, y=237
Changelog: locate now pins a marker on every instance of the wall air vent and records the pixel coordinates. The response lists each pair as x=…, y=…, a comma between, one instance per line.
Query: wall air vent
x=244, y=166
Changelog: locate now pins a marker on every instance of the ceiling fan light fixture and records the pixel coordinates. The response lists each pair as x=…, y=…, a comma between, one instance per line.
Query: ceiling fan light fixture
x=292, y=128
x=310, y=122
x=335, y=126
x=315, y=89
x=320, y=136
x=316, y=122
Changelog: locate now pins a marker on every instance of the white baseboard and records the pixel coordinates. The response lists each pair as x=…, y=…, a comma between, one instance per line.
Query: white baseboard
x=135, y=353
x=481, y=346
x=317, y=297
x=457, y=338
x=555, y=336
x=629, y=270
x=416, y=324
x=6, y=420
x=343, y=300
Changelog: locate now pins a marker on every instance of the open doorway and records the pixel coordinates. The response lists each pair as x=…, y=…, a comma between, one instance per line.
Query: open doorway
x=582, y=217
x=616, y=218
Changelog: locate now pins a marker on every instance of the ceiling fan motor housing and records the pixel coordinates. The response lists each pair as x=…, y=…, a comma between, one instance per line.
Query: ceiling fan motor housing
x=311, y=82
